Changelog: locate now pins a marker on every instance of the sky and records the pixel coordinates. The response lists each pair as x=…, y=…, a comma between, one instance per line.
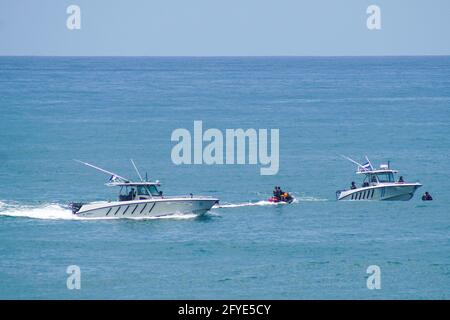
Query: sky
x=224, y=28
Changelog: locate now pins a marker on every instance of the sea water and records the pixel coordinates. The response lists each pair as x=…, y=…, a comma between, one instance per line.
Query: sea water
x=108, y=110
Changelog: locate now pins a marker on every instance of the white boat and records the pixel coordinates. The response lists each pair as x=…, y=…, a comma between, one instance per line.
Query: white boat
x=141, y=199
x=378, y=184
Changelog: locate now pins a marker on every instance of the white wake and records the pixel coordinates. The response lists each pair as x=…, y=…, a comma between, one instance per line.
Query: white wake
x=54, y=211
x=297, y=200
x=251, y=204
x=309, y=198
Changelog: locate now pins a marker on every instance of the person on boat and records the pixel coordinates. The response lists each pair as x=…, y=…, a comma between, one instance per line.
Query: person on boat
x=275, y=192
x=280, y=194
x=400, y=180
x=353, y=186
x=131, y=194
x=427, y=197
x=285, y=196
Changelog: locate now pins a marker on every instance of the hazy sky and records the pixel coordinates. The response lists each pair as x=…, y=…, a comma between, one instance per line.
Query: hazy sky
x=224, y=27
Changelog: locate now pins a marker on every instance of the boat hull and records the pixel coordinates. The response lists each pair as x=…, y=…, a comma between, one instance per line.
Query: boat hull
x=274, y=200
x=147, y=208
x=383, y=192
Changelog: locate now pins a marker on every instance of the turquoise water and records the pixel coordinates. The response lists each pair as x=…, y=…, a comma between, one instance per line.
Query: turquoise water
x=108, y=110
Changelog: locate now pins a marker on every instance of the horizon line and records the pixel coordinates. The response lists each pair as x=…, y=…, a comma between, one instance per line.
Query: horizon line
x=224, y=56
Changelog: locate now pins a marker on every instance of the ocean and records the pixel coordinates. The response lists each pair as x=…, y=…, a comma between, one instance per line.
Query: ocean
x=106, y=110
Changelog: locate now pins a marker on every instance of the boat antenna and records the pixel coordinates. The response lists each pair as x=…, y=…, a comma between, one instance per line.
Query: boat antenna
x=102, y=170
x=351, y=160
x=137, y=171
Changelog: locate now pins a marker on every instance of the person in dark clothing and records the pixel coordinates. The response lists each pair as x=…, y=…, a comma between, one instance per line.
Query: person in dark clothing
x=427, y=197
x=275, y=193
x=353, y=186
x=279, y=193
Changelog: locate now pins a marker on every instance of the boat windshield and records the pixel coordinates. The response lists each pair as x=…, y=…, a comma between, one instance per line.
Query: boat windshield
x=127, y=194
x=147, y=190
x=385, y=177
x=143, y=191
x=153, y=190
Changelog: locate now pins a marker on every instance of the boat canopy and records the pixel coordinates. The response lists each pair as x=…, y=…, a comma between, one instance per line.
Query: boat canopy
x=132, y=184
x=379, y=171
x=130, y=190
x=374, y=176
x=368, y=169
x=118, y=181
